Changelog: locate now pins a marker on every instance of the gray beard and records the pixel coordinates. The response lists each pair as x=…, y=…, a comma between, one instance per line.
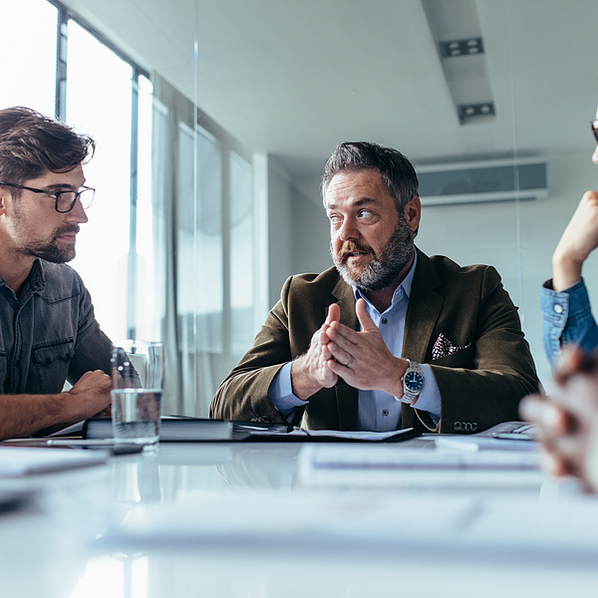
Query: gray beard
x=382, y=270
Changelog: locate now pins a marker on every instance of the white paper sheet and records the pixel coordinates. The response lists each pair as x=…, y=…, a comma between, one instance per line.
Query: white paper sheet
x=473, y=444
x=395, y=456
x=21, y=461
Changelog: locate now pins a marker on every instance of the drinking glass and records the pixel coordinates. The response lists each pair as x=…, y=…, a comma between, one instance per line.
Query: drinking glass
x=137, y=383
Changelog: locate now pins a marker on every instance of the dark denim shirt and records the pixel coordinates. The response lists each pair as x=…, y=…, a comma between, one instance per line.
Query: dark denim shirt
x=567, y=319
x=48, y=332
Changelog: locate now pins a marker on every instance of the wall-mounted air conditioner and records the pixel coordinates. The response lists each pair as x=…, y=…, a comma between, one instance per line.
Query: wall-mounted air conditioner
x=483, y=181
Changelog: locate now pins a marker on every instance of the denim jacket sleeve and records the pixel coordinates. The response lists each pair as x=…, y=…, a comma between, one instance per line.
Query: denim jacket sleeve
x=567, y=319
x=92, y=346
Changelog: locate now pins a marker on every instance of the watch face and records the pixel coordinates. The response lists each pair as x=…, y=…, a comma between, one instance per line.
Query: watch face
x=414, y=381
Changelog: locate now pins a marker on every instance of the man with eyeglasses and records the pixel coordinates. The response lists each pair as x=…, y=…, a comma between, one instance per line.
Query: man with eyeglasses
x=48, y=332
x=568, y=420
x=566, y=310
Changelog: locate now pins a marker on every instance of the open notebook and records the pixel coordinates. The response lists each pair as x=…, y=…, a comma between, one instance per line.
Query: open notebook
x=195, y=429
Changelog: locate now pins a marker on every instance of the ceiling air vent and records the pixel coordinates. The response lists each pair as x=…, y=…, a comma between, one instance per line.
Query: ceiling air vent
x=484, y=181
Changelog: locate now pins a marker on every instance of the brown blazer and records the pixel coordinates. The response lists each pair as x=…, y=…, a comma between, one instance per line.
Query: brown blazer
x=481, y=378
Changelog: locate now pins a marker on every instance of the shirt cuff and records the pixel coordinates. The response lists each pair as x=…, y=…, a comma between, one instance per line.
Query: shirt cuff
x=579, y=301
x=567, y=319
x=281, y=392
x=429, y=399
x=555, y=304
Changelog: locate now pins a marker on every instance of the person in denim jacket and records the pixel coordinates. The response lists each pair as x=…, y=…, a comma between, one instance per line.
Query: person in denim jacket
x=48, y=332
x=568, y=318
x=568, y=420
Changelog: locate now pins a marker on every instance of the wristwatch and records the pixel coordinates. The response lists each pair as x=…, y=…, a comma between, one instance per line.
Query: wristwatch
x=413, y=382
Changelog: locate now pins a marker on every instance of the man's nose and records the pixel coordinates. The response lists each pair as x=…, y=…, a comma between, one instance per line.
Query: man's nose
x=348, y=230
x=77, y=214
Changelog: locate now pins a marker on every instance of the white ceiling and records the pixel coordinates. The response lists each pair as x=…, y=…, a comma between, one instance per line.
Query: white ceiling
x=294, y=79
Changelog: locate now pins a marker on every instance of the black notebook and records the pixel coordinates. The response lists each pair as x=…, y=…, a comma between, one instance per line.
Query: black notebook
x=174, y=429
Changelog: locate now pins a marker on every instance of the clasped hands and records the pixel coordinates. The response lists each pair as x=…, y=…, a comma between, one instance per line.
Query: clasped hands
x=92, y=394
x=360, y=358
x=567, y=421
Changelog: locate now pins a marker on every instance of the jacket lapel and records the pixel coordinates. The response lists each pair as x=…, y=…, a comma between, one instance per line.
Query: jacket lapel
x=347, y=408
x=423, y=312
x=343, y=295
x=424, y=309
x=425, y=306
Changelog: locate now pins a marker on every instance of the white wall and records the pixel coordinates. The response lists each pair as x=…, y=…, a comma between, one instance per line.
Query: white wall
x=280, y=229
x=311, y=233
x=482, y=233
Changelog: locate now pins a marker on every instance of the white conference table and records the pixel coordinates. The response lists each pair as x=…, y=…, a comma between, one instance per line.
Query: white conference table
x=244, y=520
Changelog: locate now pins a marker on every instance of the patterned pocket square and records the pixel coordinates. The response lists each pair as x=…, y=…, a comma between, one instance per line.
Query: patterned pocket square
x=443, y=347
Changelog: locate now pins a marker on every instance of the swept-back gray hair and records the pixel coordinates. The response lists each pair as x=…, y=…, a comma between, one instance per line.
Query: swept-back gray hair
x=396, y=170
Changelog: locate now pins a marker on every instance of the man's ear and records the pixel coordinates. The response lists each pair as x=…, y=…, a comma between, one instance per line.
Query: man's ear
x=5, y=196
x=413, y=214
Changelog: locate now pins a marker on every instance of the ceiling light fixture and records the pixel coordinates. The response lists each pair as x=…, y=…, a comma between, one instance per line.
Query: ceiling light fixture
x=457, y=36
x=461, y=47
x=467, y=111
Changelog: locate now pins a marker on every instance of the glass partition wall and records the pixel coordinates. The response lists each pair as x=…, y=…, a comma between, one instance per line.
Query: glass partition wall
x=212, y=137
x=161, y=245
x=490, y=108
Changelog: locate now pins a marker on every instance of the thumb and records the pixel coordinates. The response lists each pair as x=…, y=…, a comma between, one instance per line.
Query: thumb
x=334, y=313
x=367, y=324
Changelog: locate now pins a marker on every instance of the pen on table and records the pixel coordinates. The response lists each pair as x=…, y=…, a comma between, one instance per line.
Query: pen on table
x=80, y=442
x=507, y=436
x=60, y=441
x=116, y=448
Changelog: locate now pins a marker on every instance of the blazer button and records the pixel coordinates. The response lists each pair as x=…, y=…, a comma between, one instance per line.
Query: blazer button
x=457, y=426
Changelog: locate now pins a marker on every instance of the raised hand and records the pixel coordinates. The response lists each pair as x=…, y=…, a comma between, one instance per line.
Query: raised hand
x=362, y=358
x=579, y=239
x=311, y=372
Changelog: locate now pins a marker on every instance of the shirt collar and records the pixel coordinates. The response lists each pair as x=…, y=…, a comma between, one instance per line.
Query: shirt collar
x=403, y=289
x=35, y=279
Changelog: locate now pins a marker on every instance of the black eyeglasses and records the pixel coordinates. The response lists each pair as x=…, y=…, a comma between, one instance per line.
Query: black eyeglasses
x=65, y=200
x=594, y=124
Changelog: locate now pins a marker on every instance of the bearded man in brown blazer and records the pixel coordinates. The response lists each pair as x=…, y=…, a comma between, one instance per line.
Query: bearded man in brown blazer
x=388, y=338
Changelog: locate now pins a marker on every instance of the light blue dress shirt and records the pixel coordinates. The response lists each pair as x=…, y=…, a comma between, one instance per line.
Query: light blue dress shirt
x=567, y=319
x=377, y=411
